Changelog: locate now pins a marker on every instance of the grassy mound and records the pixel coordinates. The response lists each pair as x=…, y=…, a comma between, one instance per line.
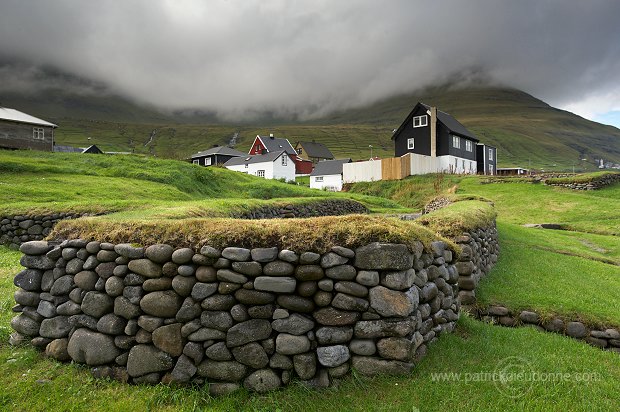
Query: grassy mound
x=459, y=217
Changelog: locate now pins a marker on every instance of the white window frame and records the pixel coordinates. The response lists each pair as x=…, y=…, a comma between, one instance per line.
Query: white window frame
x=469, y=146
x=420, y=121
x=318, y=179
x=260, y=173
x=246, y=165
x=490, y=154
x=456, y=142
x=284, y=160
x=208, y=161
x=38, y=133
x=196, y=161
x=411, y=143
x=490, y=168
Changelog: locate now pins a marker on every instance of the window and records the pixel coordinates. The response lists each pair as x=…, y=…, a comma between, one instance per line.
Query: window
x=411, y=143
x=463, y=163
x=208, y=161
x=469, y=146
x=260, y=173
x=299, y=151
x=456, y=142
x=490, y=154
x=490, y=169
x=196, y=162
x=318, y=179
x=38, y=133
x=420, y=121
x=246, y=165
x=284, y=160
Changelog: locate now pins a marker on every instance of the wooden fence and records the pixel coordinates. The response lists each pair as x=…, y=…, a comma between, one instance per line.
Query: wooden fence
x=395, y=168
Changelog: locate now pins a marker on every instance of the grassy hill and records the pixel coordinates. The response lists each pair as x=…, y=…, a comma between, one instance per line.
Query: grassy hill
x=527, y=131
x=142, y=187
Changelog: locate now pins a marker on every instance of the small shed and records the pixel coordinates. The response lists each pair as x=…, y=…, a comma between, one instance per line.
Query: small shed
x=512, y=171
x=93, y=149
x=328, y=175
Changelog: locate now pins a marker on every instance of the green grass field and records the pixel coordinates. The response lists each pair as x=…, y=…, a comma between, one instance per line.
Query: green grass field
x=573, y=274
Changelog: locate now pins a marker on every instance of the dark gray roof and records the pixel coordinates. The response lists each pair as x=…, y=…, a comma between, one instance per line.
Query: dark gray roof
x=314, y=149
x=68, y=149
x=329, y=167
x=249, y=159
x=223, y=150
x=452, y=124
x=274, y=144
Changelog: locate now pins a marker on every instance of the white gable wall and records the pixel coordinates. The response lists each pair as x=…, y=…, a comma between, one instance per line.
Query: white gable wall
x=279, y=171
x=330, y=182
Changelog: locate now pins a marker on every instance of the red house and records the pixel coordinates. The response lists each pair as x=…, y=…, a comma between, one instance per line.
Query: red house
x=270, y=144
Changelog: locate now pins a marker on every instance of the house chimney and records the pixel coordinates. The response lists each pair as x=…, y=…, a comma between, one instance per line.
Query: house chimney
x=271, y=135
x=433, y=131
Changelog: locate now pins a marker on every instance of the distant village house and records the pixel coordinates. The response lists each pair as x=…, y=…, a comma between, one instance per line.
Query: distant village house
x=313, y=151
x=327, y=175
x=273, y=165
x=19, y=130
x=93, y=149
x=428, y=141
x=215, y=156
x=270, y=144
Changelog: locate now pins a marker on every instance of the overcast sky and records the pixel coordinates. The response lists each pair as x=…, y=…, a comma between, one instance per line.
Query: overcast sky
x=311, y=57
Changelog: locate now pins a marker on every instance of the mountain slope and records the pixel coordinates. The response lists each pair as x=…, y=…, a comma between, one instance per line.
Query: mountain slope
x=527, y=131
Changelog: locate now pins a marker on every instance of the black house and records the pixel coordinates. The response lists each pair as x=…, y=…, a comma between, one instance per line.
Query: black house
x=487, y=159
x=215, y=155
x=430, y=132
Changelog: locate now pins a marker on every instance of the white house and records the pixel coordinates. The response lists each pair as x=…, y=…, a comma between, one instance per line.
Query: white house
x=328, y=175
x=274, y=165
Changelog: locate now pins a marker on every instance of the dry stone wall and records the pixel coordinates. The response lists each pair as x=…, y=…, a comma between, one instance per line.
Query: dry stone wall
x=603, y=338
x=480, y=251
x=594, y=184
x=235, y=317
x=17, y=229
x=321, y=208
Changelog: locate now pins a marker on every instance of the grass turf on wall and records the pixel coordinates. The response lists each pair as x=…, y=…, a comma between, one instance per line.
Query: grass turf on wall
x=312, y=234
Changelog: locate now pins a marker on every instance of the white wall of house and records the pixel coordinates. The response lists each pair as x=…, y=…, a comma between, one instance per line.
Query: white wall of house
x=268, y=170
x=286, y=171
x=252, y=169
x=328, y=182
x=368, y=171
x=456, y=165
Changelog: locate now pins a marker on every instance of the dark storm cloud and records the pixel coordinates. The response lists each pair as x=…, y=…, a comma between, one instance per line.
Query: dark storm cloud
x=309, y=57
